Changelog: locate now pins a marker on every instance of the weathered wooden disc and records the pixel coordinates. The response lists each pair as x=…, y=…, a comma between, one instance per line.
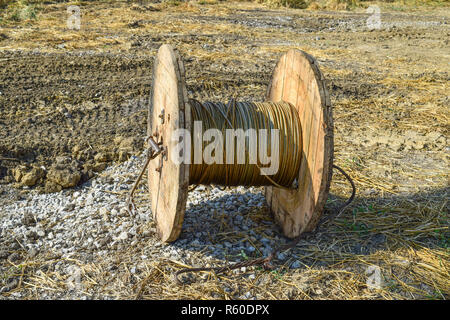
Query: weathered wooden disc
x=298, y=80
x=168, y=180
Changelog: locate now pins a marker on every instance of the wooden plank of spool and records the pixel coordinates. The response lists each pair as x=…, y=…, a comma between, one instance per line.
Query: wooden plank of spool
x=168, y=111
x=296, y=79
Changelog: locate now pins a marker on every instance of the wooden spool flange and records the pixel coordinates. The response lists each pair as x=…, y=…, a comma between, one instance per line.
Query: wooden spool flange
x=296, y=79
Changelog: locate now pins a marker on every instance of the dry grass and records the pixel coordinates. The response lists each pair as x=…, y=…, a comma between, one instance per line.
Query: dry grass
x=409, y=268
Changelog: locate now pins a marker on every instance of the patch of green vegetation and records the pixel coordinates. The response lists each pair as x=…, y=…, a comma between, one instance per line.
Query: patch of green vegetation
x=203, y=2
x=278, y=274
x=4, y=3
x=360, y=228
x=355, y=162
x=443, y=235
x=391, y=284
x=243, y=255
x=435, y=295
x=296, y=4
x=173, y=2
x=443, y=238
x=444, y=217
x=19, y=10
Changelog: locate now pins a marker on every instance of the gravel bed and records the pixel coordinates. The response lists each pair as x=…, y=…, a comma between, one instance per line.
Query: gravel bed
x=90, y=223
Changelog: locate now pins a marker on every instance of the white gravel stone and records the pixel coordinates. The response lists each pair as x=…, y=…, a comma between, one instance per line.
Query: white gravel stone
x=90, y=223
x=123, y=236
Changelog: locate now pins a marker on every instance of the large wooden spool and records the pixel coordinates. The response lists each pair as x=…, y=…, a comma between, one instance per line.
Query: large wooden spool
x=296, y=79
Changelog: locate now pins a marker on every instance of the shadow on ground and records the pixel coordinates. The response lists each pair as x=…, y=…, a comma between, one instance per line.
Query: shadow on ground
x=235, y=227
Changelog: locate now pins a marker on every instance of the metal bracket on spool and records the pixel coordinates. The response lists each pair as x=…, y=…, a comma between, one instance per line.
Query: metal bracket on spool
x=161, y=116
x=153, y=151
x=155, y=148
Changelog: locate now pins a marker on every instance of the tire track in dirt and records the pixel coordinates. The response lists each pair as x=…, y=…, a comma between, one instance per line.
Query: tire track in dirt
x=70, y=105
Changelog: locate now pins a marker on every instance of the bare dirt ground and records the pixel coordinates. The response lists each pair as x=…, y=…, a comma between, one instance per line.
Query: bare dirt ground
x=82, y=95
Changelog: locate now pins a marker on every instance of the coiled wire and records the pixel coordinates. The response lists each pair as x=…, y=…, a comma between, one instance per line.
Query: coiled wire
x=248, y=115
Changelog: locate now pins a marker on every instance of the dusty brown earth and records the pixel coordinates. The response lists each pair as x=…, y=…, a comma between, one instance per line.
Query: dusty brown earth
x=81, y=93
x=76, y=100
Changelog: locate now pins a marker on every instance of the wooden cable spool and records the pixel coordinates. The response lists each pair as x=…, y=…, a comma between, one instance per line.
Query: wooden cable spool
x=297, y=80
